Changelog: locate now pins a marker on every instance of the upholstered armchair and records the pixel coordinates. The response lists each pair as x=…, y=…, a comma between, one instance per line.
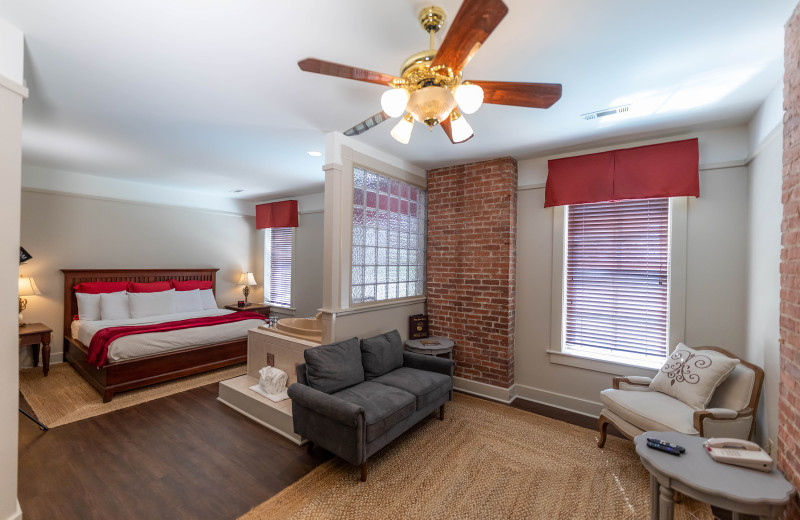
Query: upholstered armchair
x=633, y=407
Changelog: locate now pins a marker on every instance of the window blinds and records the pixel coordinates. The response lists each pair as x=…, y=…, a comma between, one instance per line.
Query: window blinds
x=278, y=265
x=617, y=288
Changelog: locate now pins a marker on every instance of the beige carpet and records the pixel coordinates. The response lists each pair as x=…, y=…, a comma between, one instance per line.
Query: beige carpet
x=484, y=461
x=64, y=396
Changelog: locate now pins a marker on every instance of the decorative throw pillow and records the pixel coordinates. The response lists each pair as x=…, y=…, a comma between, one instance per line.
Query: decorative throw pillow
x=140, y=287
x=334, y=367
x=114, y=306
x=692, y=375
x=100, y=287
x=190, y=285
x=381, y=354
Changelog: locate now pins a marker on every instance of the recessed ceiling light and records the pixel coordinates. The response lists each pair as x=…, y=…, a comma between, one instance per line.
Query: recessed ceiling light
x=235, y=191
x=315, y=154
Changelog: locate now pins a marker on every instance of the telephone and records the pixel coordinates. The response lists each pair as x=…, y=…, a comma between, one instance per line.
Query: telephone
x=739, y=453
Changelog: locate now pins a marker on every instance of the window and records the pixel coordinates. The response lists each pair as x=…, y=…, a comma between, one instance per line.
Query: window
x=388, y=238
x=278, y=266
x=616, y=282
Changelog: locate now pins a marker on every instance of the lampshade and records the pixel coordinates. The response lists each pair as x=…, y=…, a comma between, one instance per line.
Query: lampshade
x=247, y=279
x=460, y=128
x=27, y=287
x=394, y=101
x=469, y=97
x=402, y=130
x=430, y=105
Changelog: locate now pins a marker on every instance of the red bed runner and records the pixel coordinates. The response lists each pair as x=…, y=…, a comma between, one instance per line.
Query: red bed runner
x=98, y=348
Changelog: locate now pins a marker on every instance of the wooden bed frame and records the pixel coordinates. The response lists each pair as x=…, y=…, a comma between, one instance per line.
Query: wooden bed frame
x=148, y=370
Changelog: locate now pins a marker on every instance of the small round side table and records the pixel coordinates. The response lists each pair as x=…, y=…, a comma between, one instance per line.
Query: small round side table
x=431, y=346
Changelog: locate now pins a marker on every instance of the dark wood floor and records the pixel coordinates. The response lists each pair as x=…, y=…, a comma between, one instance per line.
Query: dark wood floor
x=182, y=456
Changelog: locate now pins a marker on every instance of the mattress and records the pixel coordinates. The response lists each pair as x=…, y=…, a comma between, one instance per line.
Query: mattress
x=139, y=345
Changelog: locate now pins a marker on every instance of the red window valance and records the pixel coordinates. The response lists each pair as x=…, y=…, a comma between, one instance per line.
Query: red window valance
x=281, y=214
x=645, y=172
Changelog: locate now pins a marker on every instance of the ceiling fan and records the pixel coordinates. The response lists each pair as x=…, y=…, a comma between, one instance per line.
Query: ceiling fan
x=429, y=89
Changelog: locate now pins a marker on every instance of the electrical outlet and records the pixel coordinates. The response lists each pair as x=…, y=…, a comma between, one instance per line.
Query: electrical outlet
x=270, y=359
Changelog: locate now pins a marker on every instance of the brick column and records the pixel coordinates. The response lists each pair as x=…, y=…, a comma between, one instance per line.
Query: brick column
x=471, y=266
x=789, y=400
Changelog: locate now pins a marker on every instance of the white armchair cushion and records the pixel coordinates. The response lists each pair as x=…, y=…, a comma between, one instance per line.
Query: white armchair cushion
x=693, y=375
x=650, y=410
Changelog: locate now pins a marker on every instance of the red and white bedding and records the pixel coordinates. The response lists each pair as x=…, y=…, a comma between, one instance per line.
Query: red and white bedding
x=148, y=343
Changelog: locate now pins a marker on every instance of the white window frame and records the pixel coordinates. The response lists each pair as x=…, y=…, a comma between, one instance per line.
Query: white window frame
x=268, y=271
x=677, y=297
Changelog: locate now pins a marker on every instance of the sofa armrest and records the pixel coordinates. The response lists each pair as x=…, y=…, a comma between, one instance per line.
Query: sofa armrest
x=635, y=383
x=716, y=422
x=429, y=363
x=330, y=406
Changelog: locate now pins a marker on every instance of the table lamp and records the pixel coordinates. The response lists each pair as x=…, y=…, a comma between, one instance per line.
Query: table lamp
x=247, y=280
x=27, y=287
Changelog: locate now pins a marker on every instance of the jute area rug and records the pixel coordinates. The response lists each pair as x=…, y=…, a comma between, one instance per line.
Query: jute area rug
x=484, y=461
x=64, y=396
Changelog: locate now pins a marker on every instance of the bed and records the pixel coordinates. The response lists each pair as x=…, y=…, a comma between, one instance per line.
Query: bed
x=151, y=368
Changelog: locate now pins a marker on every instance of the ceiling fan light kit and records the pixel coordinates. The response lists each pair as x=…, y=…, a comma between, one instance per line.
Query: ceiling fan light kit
x=429, y=89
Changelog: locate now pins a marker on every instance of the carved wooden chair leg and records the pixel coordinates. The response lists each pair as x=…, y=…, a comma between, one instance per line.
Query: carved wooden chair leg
x=441, y=413
x=364, y=471
x=677, y=497
x=602, y=423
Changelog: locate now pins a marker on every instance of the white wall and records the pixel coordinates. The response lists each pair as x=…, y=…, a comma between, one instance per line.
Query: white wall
x=765, y=212
x=716, y=272
x=65, y=231
x=11, y=96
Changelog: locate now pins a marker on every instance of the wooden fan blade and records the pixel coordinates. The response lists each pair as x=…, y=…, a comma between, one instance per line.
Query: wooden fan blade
x=534, y=95
x=344, y=71
x=474, y=23
x=449, y=131
x=366, y=124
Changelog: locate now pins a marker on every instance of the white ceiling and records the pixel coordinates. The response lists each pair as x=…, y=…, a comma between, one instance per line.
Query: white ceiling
x=207, y=95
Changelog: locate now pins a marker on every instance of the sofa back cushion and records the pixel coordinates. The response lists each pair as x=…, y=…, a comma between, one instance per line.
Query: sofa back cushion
x=381, y=354
x=334, y=367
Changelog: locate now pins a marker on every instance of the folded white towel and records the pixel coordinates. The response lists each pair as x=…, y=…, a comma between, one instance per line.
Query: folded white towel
x=273, y=380
x=275, y=398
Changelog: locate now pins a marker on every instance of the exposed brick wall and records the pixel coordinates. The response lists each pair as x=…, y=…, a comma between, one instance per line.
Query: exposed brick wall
x=471, y=276
x=789, y=400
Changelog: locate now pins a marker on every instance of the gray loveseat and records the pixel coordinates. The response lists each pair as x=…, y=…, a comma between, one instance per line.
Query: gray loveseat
x=355, y=397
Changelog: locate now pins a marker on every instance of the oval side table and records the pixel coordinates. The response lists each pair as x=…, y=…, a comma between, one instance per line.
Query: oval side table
x=431, y=346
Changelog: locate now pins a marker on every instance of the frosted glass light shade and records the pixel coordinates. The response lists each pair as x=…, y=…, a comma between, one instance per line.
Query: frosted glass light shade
x=394, y=101
x=402, y=130
x=247, y=279
x=460, y=129
x=469, y=97
x=431, y=105
x=27, y=287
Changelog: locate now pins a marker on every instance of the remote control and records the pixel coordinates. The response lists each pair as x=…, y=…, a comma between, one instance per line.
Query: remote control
x=665, y=443
x=660, y=447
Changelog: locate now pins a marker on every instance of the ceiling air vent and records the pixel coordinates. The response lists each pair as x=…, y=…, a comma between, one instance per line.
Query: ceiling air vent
x=606, y=112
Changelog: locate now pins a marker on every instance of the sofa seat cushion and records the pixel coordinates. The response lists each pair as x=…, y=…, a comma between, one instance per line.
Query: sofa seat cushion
x=384, y=406
x=426, y=386
x=650, y=410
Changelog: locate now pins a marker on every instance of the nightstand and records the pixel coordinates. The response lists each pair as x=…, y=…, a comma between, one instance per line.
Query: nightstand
x=252, y=307
x=35, y=334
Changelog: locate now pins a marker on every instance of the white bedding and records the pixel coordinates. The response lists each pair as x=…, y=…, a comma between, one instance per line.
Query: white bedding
x=138, y=345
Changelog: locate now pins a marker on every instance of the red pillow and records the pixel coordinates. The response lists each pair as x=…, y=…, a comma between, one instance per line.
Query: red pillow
x=140, y=287
x=101, y=287
x=191, y=285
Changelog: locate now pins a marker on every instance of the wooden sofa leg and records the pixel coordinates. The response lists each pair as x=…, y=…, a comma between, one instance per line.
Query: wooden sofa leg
x=364, y=471
x=603, y=425
x=310, y=447
x=441, y=412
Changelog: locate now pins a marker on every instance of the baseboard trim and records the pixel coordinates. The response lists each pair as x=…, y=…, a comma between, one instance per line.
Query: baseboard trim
x=565, y=402
x=262, y=423
x=17, y=515
x=495, y=393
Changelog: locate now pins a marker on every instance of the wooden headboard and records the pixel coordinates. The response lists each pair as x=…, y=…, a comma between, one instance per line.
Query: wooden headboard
x=73, y=277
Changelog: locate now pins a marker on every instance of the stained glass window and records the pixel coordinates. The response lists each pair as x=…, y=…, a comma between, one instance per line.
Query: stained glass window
x=389, y=218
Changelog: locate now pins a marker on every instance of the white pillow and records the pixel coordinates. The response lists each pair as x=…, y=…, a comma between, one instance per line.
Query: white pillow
x=88, y=306
x=114, y=306
x=188, y=301
x=692, y=375
x=207, y=297
x=151, y=304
